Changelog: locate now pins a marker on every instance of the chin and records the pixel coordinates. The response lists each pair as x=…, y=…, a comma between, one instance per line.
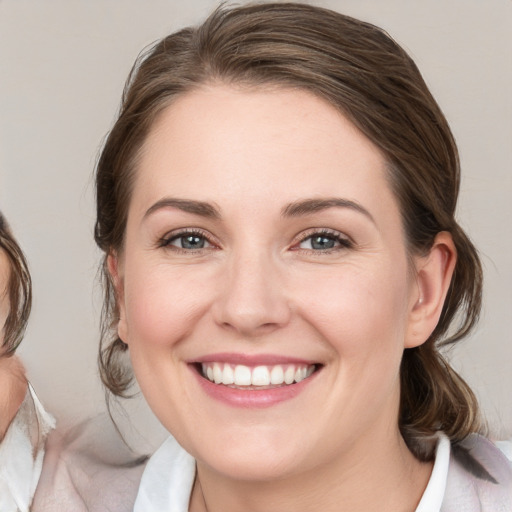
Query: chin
x=253, y=466
x=253, y=457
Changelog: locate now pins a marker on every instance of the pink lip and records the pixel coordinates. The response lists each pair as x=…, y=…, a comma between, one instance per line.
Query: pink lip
x=250, y=398
x=250, y=359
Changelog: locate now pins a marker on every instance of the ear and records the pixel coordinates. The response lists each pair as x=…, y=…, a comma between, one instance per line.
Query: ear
x=433, y=275
x=114, y=266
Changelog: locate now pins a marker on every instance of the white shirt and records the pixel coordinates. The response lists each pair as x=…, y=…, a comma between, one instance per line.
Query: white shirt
x=21, y=454
x=167, y=481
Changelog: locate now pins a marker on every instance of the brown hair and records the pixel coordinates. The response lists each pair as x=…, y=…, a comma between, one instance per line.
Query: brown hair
x=18, y=290
x=367, y=76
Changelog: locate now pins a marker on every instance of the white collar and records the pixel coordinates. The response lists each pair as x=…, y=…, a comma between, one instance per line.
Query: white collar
x=22, y=452
x=168, y=479
x=433, y=496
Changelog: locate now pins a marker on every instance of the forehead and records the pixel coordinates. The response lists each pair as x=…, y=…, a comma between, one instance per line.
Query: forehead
x=220, y=143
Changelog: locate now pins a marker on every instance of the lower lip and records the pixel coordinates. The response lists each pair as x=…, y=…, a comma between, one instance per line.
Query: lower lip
x=252, y=398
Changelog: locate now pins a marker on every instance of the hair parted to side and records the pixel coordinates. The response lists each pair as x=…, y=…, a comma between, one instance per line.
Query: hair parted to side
x=370, y=79
x=18, y=291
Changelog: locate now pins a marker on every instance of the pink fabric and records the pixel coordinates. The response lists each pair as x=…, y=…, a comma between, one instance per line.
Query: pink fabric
x=479, y=478
x=88, y=469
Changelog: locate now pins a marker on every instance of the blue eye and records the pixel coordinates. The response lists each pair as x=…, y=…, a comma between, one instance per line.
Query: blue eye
x=190, y=242
x=187, y=241
x=324, y=242
x=320, y=242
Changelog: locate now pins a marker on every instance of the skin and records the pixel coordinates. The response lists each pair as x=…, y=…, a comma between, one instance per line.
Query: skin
x=13, y=383
x=258, y=286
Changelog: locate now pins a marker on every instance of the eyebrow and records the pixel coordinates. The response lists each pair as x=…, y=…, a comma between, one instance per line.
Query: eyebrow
x=309, y=206
x=295, y=209
x=200, y=208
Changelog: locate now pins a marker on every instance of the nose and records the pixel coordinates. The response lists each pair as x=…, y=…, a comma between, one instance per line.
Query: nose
x=252, y=300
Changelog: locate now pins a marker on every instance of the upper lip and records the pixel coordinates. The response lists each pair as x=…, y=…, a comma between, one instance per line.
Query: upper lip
x=251, y=359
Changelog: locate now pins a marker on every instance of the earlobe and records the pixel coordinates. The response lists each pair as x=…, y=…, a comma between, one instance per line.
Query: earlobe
x=433, y=275
x=113, y=265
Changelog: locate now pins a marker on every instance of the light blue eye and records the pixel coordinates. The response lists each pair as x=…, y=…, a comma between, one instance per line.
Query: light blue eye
x=190, y=241
x=319, y=243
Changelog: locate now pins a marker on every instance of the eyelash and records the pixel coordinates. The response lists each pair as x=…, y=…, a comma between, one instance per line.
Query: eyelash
x=343, y=241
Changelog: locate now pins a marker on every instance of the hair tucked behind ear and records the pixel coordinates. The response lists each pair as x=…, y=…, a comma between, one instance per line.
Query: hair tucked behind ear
x=18, y=290
x=369, y=78
x=115, y=373
x=434, y=397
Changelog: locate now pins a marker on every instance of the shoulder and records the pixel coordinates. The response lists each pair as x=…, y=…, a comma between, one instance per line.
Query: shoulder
x=88, y=468
x=479, y=478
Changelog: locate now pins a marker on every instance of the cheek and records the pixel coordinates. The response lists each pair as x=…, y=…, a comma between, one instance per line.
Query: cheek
x=361, y=315
x=359, y=310
x=162, y=305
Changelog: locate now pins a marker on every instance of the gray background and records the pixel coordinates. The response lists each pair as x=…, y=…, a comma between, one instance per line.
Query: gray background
x=62, y=68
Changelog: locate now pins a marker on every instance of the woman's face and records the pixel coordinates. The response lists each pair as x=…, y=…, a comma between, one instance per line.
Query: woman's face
x=264, y=247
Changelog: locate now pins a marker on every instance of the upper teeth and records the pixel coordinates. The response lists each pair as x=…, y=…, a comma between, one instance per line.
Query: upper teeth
x=241, y=375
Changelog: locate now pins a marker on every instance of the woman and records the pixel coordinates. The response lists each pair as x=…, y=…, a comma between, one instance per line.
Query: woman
x=276, y=207
x=78, y=462
x=24, y=424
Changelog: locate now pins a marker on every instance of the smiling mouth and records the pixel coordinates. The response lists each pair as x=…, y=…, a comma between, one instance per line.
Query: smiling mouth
x=256, y=377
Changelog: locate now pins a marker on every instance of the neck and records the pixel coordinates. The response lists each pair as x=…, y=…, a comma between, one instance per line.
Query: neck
x=357, y=481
